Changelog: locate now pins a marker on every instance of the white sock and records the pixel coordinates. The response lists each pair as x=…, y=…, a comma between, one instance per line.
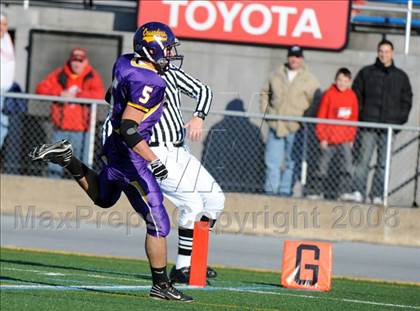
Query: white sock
x=185, y=241
x=183, y=261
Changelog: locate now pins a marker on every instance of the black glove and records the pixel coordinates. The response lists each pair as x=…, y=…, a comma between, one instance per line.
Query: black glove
x=159, y=170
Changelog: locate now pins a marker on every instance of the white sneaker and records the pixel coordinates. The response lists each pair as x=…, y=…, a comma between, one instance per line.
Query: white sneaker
x=347, y=197
x=356, y=197
x=315, y=196
x=377, y=201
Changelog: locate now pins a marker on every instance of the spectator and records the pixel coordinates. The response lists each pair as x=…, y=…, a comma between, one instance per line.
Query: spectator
x=385, y=96
x=7, y=72
x=15, y=109
x=289, y=91
x=338, y=103
x=234, y=152
x=306, y=152
x=76, y=78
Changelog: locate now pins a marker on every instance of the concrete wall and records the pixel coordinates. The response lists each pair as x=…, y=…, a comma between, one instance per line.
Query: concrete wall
x=231, y=70
x=22, y=21
x=235, y=71
x=29, y=197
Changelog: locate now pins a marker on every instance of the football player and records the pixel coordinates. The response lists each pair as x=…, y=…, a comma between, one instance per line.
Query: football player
x=189, y=186
x=130, y=166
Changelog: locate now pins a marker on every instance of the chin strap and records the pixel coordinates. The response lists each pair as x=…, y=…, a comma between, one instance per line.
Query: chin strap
x=148, y=55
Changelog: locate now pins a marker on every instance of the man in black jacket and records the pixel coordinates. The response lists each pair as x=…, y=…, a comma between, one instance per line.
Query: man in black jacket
x=385, y=96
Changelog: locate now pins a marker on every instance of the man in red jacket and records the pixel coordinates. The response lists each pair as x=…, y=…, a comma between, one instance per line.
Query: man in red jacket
x=338, y=103
x=76, y=78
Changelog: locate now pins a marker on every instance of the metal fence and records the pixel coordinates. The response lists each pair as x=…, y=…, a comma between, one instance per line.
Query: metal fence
x=361, y=162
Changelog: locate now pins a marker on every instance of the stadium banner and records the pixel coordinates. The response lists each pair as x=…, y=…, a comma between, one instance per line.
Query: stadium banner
x=321, y=24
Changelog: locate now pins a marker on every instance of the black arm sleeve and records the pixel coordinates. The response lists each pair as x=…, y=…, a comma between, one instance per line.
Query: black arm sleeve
x=128, y=131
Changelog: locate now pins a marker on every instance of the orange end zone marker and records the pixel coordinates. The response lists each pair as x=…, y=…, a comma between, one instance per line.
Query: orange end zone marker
x=198, y=271
x=307, y=265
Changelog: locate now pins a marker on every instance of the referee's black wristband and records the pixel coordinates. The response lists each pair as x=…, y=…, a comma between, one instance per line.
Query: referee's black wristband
x=128, y=131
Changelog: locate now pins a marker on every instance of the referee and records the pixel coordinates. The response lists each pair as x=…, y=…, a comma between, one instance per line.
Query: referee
x=189, y=185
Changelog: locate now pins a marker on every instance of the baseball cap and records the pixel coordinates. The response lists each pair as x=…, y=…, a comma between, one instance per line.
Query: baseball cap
x=78, y=54
x=295, y=50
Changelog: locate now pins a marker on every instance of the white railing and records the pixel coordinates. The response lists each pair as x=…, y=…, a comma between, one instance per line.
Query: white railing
x=119, y=3
x=409, y=10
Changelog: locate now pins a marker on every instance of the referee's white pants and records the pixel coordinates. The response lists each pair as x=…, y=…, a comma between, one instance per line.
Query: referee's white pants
x=189, y=186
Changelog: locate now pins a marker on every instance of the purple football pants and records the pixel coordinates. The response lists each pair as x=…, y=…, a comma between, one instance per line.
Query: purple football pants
x=125, y=171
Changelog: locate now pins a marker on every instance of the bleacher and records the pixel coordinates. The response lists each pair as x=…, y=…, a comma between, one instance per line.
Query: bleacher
x=380, y=18
x=404, y=2
x=384, y=21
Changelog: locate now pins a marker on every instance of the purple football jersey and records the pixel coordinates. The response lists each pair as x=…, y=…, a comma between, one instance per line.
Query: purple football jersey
x=135, y=85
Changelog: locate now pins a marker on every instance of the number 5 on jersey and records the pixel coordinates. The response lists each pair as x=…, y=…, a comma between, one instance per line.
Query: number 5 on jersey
x=145, y=94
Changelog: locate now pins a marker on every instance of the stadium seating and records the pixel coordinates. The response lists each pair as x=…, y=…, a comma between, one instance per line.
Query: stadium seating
x=385, y=21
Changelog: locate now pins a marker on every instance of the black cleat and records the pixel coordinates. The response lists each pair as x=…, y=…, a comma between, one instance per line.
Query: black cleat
x=183, y=275
x=180, y=275
x=211, y=273
x=167, y=292
x=59, y=153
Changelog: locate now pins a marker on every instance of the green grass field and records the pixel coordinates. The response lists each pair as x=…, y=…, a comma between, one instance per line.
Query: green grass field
x=32, y=280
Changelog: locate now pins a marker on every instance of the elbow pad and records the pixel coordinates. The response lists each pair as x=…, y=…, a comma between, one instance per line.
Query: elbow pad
x=128, y=131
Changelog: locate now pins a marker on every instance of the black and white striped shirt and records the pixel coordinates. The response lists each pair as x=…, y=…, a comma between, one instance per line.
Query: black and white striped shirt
x=170, y=126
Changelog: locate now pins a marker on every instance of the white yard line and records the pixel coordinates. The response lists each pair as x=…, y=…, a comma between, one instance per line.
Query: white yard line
x=98, y=276
x=74, y=287
x=233, y=289
x=324, y=298
x=24, y=270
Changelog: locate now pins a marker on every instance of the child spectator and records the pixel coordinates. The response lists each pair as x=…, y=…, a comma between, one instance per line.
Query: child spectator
x=338, y=103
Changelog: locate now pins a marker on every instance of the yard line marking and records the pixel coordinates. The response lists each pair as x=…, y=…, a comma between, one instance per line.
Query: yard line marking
x=24, y=270
x=319, y=297
x=45, y=272
x=233, y=289
x=98, y=276
x=74, y=287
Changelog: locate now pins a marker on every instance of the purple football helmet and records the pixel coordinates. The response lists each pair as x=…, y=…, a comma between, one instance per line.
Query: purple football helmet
x=156, y=43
